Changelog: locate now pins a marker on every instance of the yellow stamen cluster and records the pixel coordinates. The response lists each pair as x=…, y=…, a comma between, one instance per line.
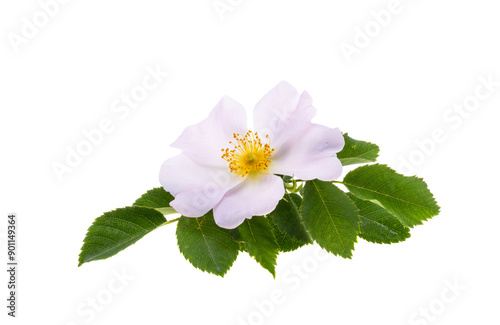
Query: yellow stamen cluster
x=249, y=154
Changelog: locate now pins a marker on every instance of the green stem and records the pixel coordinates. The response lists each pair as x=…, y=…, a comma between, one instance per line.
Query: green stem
x=166, y=210
x=170, y=221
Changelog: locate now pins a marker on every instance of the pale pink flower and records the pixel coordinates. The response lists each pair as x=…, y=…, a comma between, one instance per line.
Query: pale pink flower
x=225, y=167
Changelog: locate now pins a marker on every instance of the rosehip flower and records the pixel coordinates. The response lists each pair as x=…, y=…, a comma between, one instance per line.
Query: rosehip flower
x=226, y=167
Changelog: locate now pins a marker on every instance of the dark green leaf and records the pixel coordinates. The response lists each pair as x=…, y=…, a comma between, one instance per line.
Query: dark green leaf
x=330, y=217
x=288, y=219
x=116, y=230
x=407, y=198
x=377, y=224
x=155, y=198
x=258, y=236
x=206, y=245
x=285, y=243
x=158, y=199
x=242, y=247
x=357, y=152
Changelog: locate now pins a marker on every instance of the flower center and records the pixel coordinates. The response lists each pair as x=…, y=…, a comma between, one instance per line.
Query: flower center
x=249, y=154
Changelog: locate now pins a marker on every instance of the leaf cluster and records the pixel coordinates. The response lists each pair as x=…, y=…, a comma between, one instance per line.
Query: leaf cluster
x=380, y=206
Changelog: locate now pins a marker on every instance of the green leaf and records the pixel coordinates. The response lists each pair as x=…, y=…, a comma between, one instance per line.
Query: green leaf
x=206, y=245
x=285, y=243
x=407, y=198
x=242, y=247
x=288, y=219
x=158, y=199
x=116, y=230
x=330, y=217
x=357, y=152
x=258, y=236
x=377, y=224
x=155, y=198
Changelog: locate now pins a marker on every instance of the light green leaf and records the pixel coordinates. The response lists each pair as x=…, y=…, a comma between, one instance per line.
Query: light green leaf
x=258, y=236
x=330, y=217
x=288, y=219
x=206, y=245
x=377, y=224
x=357, y=152
x=407, y=198
x=116, y=230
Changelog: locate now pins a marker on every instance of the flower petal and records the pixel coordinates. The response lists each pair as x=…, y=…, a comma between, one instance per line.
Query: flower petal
x=196, y=188
x=310, y=154
x=203, y=142
x=256, y=196
x=282, y=113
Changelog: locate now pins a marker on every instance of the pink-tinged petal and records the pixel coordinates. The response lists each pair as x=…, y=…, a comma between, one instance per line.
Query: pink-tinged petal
x=203, y=142
x=282, y=113
x=256, y=196
x=196, y=188
x=310, y=154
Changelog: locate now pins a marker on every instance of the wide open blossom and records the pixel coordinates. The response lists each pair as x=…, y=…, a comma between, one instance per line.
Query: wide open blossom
x=226, y=167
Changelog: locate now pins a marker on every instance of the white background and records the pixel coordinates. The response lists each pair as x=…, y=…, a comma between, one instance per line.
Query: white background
x=395, y=91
